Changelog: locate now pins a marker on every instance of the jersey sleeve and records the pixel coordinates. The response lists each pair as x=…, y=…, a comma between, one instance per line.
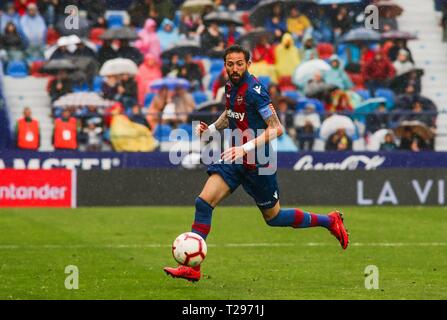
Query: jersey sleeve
x=261, y=100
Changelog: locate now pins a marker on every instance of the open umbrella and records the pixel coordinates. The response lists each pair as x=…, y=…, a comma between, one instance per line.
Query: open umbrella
x=390, y=8
x=207, y=112
x=263, y=10
x=125, y=33
x=369, y=105
x=377, y=138
x=56, y=65
x=81, y=99
x=118, y=66
x=399, y=35
x=399, y=83
x=416, y=127
x=307, y=69
x=250, y=39
x=170, y=83
x=196, y=6
x=361, y=35
x=181, y=48
x=222, y=18
x=335, y=122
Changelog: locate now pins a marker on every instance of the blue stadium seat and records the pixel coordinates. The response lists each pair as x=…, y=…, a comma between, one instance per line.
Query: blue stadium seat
x=81, y=88
x=292, y=94
x=115, y=21
x=148, y=99
x=97, y=83
x=265, y=80
x=364, y=94
x=302, y=102
x=17, y=69
x=188, y=128
x=216, y=65
x=388, y=95
x=162, y=131
x=199, y=97
x=214, y=77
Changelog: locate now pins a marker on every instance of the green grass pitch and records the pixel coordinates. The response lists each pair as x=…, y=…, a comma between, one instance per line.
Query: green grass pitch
x=120, y=253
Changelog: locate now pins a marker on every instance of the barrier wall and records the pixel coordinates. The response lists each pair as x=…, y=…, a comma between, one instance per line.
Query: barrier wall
x=141, y=187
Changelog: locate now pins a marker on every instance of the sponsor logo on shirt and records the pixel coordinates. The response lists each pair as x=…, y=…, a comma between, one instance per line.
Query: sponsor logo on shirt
x=236, y=115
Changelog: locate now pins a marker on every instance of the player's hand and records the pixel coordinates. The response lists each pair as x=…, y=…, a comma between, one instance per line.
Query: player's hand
x=201, y=128
x=233, y=154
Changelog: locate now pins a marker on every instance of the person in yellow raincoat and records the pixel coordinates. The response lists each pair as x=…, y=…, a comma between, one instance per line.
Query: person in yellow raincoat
x=287, y=56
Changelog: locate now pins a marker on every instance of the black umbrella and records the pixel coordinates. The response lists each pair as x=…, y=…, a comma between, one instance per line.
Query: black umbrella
x=207, y=112
x=82, y=30
x=250, y=39
x=222, y=18
x=56, y=65
x=181, y=48
x=399, y=83
x=388, y=7
x=361, y=35
x=263, y=10
x=124, y=33
x=399, y=35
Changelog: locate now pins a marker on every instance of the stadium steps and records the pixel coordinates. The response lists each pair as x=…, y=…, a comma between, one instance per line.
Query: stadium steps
x=429, y=53
x=31, y=92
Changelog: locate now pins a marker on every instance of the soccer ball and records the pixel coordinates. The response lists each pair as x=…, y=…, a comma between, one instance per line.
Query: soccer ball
x=189, y=249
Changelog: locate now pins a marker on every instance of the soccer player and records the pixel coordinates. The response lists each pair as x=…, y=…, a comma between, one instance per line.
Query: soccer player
x=248, y=106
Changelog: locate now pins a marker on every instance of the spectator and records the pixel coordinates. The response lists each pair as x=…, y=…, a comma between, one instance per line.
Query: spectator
x=341, y=22
x=315, y=86
x=285, y=115
x=147, y=72
x=403, y=63
x=263, y=52
x=140, y=10
x=306, y=123
x=379, y=119
x=65, y=132
x=297, y=23
x=60, y=86
x=128, y=52
x=49, y=10
x=276, y=24
x=419, y=114
x=149, y=41
x=12, y=43
x=191, y=71
x=62, y=51
x=378, y=72
x=399, y=45
x=388, y=144
x=412, y=142
x=188, y=25
x=27, y=131
x=340, y=102
x=126, y=91
x=93, y=135
x=184, y=105
x=92, y=115
x=336, y=75
x=308, y=50
x=21, y=6
x=138, y=117
x=106, y=52
x=34, y=28
x=161, y=99
x=339, y=141
x=172, y=66
x=212, y=39
x=218, y=86
x=167, y=34
x=84, y=51
x=286, y=56
x=109, y=87
x=232, y=35
x=387, y=22
x=10, y=15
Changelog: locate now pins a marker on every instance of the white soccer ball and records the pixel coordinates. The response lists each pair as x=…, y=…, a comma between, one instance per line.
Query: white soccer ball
x=189, y=249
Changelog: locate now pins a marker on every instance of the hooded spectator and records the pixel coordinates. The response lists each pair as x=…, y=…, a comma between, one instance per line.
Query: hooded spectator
x=168, y=34
x=9, y=15
x=378, y=72
x=336, y=75
x=148, y=71
x=399, y=45
x=212, y=39
x=34, y=28
x=308, y=50
x=286, y=56
x=403, y=63
x=263, y=52
x=339, y=141
x=149, y=41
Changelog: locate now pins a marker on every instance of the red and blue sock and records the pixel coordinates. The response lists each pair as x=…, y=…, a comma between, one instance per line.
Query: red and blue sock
x=202, y=220
x=297, y=218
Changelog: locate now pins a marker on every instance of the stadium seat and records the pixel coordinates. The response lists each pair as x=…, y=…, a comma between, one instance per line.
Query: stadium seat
x=115, y=21
x=292, y=94
x=162, y=131
x=357, y=80
x=213, y=78
x=97, y=83
x=285, y=84
x=216, y=65
x=302, y=102
x=325, y=50
x=363, y=93
x=199, y=97
x=388, y=95
x=52, y=36
x=17, y=69
x=188, y=128
x=265, y=80
x=35, y=68
x=81, y=88
x=148, y=99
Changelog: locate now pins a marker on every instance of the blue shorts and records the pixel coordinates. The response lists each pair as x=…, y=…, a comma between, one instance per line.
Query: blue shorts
x=262, y=188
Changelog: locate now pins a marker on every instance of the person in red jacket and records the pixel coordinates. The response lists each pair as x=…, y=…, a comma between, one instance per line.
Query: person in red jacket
x=65, y=132
x=378, y=72
x=21, y=5
x=27, y=130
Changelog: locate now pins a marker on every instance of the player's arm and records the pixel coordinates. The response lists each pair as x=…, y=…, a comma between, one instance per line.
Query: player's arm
x=220, y=124
x=273, y=131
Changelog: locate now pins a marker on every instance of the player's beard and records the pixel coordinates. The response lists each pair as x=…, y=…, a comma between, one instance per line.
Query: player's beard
x=236, y=80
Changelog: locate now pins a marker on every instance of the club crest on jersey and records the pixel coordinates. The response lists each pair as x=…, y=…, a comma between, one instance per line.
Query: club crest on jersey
x=239, y=99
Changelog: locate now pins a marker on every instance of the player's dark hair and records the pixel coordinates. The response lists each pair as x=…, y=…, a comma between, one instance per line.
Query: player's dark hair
x=237, y=48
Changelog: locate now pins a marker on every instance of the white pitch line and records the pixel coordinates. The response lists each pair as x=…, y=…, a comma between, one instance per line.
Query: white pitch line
x=238, y=245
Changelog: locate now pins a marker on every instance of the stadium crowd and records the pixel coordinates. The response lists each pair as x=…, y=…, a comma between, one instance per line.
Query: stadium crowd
x=317, y=61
